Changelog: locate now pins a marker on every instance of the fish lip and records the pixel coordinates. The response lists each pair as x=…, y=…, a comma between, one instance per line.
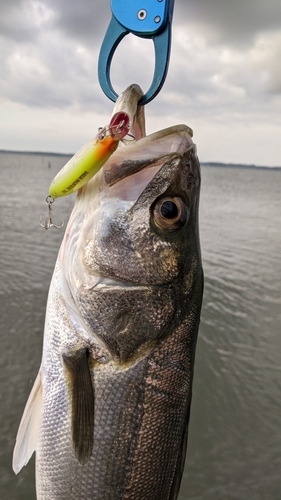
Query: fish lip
x=128, y=103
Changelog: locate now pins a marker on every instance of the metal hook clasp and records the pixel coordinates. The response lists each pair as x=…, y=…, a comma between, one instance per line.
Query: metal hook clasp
x=153, y=21
x=49, y=221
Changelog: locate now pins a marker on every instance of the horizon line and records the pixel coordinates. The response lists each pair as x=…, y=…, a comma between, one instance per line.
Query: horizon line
x=203, y=163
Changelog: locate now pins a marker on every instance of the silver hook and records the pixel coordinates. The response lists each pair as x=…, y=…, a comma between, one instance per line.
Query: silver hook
x=48, y=221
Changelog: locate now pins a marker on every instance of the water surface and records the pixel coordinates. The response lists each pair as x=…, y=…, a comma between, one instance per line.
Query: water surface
x=235, y=436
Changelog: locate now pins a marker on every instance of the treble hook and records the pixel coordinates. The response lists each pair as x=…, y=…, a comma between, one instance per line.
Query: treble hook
x=48, y=221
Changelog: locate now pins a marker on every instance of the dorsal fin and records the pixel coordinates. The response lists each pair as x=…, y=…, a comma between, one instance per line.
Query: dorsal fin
x=82, y=403
x=29, y=427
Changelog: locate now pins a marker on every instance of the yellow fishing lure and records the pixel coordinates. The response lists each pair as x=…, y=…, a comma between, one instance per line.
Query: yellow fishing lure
x=90, y=158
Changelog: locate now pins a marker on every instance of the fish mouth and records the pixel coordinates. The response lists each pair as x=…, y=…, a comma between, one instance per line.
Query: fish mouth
x=144, y=151
x=151, y=151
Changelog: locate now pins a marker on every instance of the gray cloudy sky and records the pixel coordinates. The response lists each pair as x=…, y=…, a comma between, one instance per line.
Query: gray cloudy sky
x=224, y=79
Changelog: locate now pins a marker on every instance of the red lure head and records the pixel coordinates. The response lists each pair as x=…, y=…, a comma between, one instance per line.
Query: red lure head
x=119, y=125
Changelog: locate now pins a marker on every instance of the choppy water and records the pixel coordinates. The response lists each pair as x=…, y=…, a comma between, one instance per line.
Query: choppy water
x=234, y=447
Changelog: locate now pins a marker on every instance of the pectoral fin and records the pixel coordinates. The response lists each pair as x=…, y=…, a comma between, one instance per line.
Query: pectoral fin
x=82, y=402
x=28, y=428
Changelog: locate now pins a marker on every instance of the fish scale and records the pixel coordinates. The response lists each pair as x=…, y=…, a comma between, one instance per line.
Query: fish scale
x=166, y=407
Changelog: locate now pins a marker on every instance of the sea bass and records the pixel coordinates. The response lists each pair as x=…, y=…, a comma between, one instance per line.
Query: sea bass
x=108, y=414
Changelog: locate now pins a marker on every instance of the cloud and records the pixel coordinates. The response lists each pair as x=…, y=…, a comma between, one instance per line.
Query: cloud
x=84, y=21
x=224, y=68
x=266, y=57
x=229, y=22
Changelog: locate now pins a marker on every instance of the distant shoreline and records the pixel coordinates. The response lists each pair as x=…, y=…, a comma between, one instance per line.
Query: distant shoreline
x=38, y=153
x=236, y=165
x=203, y=163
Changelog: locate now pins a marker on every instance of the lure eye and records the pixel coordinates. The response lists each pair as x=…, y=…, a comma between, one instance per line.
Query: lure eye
x=170, y=213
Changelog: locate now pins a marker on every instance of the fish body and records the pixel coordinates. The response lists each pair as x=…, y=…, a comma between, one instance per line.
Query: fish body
x=108, y=415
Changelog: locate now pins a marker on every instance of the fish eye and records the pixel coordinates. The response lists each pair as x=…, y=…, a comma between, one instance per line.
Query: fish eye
x=170, y=213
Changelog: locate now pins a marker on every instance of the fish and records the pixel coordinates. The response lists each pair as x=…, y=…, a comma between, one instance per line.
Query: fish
x=108, y=414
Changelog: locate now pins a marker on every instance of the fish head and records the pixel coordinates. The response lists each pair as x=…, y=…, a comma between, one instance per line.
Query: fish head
x=131, y=253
